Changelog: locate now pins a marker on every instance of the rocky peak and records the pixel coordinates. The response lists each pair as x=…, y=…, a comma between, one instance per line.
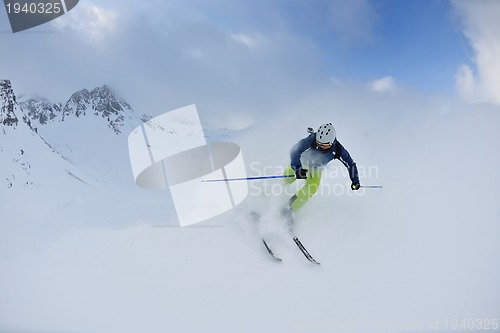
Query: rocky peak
x=8, y=103
x=78, y=104
x=101, y=102
x=41, y=110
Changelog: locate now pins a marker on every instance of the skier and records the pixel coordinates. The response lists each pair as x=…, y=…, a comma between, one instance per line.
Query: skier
x=309, y=156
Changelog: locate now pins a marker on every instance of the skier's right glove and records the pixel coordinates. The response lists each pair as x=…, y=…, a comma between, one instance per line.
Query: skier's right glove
x=300, y=173
x=355, y=186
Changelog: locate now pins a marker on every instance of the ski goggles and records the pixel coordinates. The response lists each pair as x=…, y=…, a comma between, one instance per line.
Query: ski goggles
x=324, y=145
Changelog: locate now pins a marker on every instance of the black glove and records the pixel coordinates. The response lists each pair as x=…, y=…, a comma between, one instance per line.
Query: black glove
x=355, y=186
x=300, y=173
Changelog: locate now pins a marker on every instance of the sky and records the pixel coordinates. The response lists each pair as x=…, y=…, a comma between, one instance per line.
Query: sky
x=250, y=56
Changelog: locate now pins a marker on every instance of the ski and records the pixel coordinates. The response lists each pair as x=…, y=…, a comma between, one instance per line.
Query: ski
x=288, y=213
x=256, y=218
x=271, y=253
x=304, y=251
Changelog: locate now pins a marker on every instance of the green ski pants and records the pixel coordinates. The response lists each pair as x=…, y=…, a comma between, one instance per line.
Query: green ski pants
x=310, y=187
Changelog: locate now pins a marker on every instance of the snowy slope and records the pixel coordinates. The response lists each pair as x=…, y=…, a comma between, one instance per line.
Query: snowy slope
x=23, y=150
x=406, y=258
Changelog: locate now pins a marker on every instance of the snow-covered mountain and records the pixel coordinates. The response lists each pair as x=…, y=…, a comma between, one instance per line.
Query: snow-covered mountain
x=88, y=129
x=26, y=157
x=101, y=102
x=65, y=156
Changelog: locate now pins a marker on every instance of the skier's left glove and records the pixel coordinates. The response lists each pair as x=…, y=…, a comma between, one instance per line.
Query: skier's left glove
x=355, y=186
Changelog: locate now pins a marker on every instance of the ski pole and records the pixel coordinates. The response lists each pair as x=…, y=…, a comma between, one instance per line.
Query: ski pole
x=244, y=178
x=371, y=186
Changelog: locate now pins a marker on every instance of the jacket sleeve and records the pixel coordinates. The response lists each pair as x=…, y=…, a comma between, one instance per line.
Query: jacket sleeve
x=298, y=149
x=347, y=160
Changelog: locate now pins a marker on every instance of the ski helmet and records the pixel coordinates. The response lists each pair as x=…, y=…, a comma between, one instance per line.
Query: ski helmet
x=326, y=134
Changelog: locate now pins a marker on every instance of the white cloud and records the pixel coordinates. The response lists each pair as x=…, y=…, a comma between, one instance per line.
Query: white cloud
x=89, y=20
x=482, y=28
x=386, y=84
x=245, y=39
x=465, y=82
